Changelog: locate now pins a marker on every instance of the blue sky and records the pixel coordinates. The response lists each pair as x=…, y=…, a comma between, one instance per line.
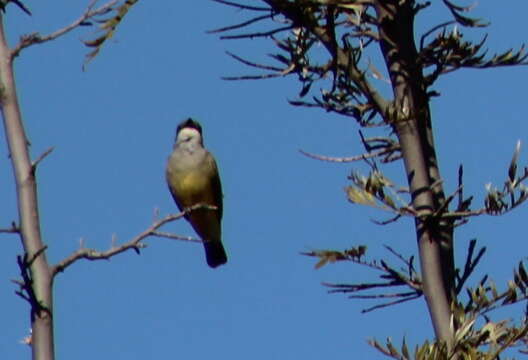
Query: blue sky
x=112, y=127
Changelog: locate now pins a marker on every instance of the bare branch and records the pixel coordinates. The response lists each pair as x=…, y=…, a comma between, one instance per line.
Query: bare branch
x=388, y=221
x=30, y=260
x=254, y=64
x=35, y=38
x=242, y=6
x=36, y=274
x=257, y=34
x=471, y=263
x=407, y=262
x=172, y=236
x=14, y=229
x=18, y=3
x=42, y=156
x=134, y=244
x=348, y=158
x=446, y=203
x=395, y=302
x=241, y=25
x=460, y=186
x=389, y=275
x=251, y=77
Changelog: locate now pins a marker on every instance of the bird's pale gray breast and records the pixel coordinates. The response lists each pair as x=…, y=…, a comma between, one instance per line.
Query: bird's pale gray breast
x=184, y=160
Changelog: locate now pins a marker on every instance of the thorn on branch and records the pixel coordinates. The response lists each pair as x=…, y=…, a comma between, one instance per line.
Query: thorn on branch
x=42, y=156
x=14, y=229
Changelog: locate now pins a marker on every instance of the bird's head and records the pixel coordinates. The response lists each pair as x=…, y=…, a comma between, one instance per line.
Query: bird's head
x=189, y=131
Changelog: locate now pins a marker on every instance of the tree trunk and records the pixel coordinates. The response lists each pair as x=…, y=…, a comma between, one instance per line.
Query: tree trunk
x=411, y=121
x=38, y=282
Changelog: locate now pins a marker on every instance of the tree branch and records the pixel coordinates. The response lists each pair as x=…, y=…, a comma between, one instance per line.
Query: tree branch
x=134, y=244
x=41, y=157
x=28, y=210
x=18, y=3
x=35, y=38
x=14, y=229
x=347, y=159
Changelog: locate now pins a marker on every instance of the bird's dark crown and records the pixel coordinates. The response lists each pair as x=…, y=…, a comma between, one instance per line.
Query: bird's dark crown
x=189, y=123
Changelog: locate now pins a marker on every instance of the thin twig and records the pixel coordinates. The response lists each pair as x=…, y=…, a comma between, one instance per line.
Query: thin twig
x=348, y=288
x=240, y=25
x=36, y=255
x=251, y=77
x=446, y=203
x=388, y=221
x=14, y=229
x=346, y=159
x=19, y=4
x=172, y=236
x=433, y=29
x=257, y=34
x=253, y=64
x=42, y=156
x=383, y=296
x=35, y=38
x=398, y=255
x=375, y=307
x=470, y=265
x=134, y=244
x=460, y=186
x=242, y=6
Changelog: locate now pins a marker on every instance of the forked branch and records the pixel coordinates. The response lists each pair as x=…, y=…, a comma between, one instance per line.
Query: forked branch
x=36, y=38
x=134, y=244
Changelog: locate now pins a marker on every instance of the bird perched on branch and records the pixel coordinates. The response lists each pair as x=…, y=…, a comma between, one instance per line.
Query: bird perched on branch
x=193, y=179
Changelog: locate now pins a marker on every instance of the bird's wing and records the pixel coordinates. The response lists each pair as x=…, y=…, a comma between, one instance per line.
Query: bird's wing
x=216, y=185
x=171, y=180
x=174, y=196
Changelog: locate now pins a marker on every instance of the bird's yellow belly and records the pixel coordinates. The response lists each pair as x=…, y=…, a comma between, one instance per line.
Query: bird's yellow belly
x=194, y=183
x=194, y=188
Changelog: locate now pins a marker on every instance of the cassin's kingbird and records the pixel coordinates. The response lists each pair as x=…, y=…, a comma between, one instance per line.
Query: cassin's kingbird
x=192, y=176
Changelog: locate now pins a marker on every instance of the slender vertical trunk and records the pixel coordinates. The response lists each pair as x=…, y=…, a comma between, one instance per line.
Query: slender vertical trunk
x=412, y=123
x=39, y=288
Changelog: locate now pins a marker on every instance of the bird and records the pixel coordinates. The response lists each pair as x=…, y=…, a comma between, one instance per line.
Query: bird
x=193, y=178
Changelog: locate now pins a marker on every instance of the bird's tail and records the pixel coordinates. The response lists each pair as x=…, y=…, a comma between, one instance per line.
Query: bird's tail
x=215, y=253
